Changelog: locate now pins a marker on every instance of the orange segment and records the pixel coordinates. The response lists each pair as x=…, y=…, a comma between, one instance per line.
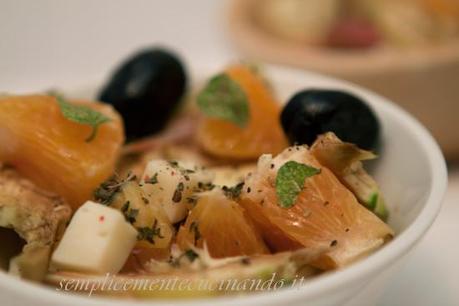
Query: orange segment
x=141, y=256
x=51, y=150
x=263, y=133
x=325, y=214
x=223, y=225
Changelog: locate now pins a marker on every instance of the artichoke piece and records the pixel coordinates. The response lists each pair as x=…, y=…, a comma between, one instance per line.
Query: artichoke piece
x=37, y=216
x=344, y=160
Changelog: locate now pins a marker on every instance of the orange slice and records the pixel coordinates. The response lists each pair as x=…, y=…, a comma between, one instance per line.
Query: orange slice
x=140, y=257
x=324, y=214
x=51, y=150
x=263, y=133
x=223, y=225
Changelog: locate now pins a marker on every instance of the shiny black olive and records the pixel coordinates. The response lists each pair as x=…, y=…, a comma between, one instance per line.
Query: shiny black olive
x=145, y=90
x=312, y=112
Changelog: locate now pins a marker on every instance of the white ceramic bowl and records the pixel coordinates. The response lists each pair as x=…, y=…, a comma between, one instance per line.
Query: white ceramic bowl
x=412, y=174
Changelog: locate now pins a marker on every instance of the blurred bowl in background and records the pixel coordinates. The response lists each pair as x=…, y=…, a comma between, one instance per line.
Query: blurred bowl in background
x=422, y=79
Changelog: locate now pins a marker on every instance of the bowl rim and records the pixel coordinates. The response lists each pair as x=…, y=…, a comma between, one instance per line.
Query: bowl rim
x=322, y=284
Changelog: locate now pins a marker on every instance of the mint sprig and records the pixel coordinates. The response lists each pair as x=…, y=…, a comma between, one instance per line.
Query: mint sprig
x=223, y=98
x=290, y=181
x=82, y=115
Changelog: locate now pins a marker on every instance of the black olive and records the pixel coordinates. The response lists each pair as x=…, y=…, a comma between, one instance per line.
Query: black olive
x=312, y=112
x=145, y=90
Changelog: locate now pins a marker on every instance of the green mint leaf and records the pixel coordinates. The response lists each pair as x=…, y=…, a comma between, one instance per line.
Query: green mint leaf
x=177, y=197
x=82, y=115
x=152, y=180
x=194, y=228
x=191, y=255
x=290, y=181
x=107, y=191
x=234, y=192
x=223, y=98
x=149, y=233
x=372, y=201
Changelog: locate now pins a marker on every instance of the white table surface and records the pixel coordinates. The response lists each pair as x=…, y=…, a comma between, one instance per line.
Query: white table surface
x=49, y=42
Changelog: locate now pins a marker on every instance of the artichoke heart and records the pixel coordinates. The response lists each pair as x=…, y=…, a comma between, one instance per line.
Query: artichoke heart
x=345, y=161
x=37, y=216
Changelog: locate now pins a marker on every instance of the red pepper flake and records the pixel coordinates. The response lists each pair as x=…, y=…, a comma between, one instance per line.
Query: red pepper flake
x=172, y=173
x=146, y=178
x=101, y=218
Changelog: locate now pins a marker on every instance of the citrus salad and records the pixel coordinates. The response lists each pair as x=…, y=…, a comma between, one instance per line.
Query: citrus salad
x=157, y=183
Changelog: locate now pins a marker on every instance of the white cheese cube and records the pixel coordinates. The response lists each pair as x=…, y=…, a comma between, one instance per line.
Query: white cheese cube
x=97, y=240
x=170, y=185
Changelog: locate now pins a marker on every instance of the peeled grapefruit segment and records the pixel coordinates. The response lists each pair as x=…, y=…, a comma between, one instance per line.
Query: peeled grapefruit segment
x=51, y=150
x=325, y=213
x=223, y=225
x=261, y=134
